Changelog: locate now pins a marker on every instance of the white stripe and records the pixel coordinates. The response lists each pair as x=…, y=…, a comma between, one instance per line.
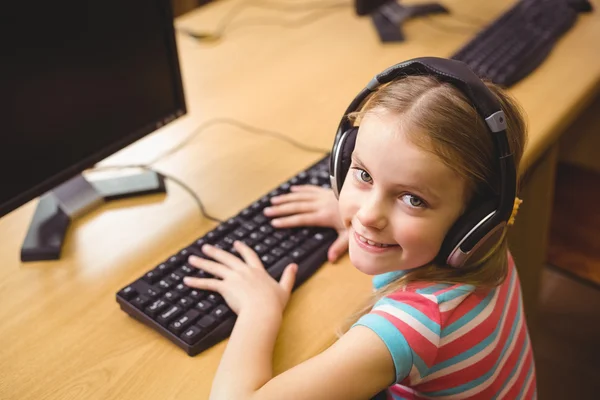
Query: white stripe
x=482, y=316
x=529, y=383
x=411, y=321
x=476, y=357
x=430, y=297
x=512, y=380
x=452, y=304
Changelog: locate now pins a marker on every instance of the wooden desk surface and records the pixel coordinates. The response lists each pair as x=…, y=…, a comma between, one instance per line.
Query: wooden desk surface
x=63, y=335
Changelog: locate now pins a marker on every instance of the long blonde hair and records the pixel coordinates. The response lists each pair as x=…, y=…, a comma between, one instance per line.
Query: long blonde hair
x=446, y=124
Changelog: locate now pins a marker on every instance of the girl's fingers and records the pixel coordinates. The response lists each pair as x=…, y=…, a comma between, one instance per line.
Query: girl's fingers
x=292, y=197
x=288, y=277
x=209, y=266
x=213, y=285
x=297, y=220
x=222, y=256
x=306, y=188
x=248, y=254
x=290, y=208
x=338, y=247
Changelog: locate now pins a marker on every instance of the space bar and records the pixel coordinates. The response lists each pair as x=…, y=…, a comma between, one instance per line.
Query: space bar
x=276, y=270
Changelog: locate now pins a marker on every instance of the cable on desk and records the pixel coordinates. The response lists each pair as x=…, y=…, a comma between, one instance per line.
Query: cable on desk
x=321, y=10
x=196, y=132
x=242, y=125
x=443, y=27
x=171, y=178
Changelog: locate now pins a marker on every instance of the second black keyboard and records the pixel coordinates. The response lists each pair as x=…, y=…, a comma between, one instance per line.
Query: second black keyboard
x=196, y=319
x=517, y=42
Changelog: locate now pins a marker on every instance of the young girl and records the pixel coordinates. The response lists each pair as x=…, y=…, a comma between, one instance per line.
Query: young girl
x=423, y=157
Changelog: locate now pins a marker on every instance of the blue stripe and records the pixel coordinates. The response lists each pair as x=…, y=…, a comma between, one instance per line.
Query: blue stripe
x=397, y=397
x=433, y=288
x=420, y=364
x=473, y=350
x=515, y=368
x=483, y=378
x=393, y=339
x=413, y=312
x=454, y=293
x=529, y=373
x=465, y=319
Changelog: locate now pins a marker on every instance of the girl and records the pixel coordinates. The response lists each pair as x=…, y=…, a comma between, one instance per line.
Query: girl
x=437, y=328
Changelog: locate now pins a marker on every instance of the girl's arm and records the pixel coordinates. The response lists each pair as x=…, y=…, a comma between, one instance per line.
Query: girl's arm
x=356, y=367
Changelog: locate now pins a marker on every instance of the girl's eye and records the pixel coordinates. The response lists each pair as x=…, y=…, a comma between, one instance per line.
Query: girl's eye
x=412, y=201
x=362, y=175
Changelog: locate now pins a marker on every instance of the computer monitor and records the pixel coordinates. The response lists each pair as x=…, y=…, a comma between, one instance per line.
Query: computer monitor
x=388, y=15
x=81, y=80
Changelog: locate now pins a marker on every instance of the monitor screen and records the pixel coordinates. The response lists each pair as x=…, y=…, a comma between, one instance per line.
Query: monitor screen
x=81, y=80
x=365, y=7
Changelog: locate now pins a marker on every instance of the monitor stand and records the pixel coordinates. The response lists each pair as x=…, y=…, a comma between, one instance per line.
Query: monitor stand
x=389, y=17
x=74, y=198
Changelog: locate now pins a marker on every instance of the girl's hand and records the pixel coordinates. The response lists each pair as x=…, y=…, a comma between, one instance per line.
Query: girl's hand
x=309, y=205
x=244, y=284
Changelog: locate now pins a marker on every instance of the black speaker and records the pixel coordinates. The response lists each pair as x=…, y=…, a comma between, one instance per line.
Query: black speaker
x=478, y=229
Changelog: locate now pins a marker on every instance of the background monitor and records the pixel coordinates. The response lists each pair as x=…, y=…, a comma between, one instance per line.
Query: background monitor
x=81, y=79
x=388, y=15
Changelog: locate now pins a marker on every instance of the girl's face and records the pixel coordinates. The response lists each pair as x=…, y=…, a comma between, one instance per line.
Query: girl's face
x=398, y=200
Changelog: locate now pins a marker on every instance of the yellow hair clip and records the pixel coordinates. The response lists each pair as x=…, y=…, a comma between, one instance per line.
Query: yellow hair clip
x=515, y=210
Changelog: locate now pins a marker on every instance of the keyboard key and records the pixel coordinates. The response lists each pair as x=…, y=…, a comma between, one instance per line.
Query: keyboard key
x=171, y=296
x=221, y=312
x=156, y=307
x=207, y=322
x=141, y=301
x=167, y=316
x=204, y=306
x=128, y=293
x=298, y=254
x=152, y=276
x=192, y=334
x=183, y=322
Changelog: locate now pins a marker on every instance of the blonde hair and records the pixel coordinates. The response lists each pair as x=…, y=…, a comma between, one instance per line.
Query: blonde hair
x=443, y=121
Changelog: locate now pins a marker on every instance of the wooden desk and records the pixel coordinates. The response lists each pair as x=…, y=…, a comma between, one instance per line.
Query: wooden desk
x=63, y=335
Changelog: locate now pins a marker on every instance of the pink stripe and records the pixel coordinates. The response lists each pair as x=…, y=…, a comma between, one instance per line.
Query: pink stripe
x=518, y=384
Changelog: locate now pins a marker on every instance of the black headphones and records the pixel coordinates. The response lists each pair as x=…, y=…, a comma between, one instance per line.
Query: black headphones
x=481, y=227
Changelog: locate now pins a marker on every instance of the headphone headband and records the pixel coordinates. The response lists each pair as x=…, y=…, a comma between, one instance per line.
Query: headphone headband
x=497, y=210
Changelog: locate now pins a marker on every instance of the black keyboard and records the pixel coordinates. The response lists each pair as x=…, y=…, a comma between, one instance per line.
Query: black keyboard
x=195, y=319
x=517, y=42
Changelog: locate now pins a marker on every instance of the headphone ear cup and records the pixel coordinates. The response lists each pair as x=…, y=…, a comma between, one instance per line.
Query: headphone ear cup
x=467, y=232
x=343, y=159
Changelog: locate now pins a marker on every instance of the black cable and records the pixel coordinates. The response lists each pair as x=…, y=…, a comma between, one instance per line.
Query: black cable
x=258, y=131
x=225, y=23
x=196, y=132
x=166, y=176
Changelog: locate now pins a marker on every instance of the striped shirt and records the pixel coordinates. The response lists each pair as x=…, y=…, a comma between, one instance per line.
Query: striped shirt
x=455, y=342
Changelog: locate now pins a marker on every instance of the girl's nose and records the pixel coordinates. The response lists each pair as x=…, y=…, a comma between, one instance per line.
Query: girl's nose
x=373, y=212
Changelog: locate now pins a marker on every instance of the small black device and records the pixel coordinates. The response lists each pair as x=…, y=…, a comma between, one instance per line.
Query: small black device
x=516, y=43
x=481, y=226
x=84, y=79
x=196, y=319
x=388, y=15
